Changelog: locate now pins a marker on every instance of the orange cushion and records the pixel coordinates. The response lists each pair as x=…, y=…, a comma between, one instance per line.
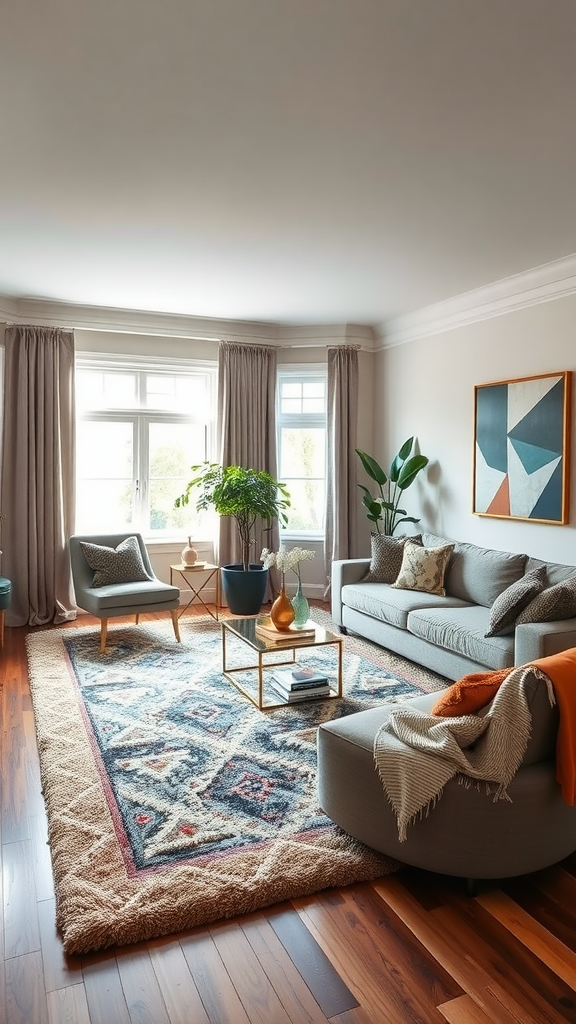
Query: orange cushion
x=469, y=694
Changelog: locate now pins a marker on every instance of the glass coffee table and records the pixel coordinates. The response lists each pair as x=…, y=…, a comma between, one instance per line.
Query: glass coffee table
x=245, y=630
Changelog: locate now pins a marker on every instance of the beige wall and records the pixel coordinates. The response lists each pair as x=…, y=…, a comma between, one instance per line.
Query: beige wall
x=426, y=388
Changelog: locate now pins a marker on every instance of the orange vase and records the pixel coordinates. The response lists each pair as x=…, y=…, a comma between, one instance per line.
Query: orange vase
x=282, y=612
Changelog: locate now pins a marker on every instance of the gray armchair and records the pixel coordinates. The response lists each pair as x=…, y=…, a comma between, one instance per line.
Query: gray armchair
x=113, y=599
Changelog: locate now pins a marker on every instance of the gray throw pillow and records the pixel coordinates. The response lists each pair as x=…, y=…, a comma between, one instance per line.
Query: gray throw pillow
x=557, y=602
x=115, y=565
x=386, y=557
x=513, y=600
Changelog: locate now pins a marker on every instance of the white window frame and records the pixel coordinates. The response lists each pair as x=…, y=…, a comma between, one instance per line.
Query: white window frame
x=306, y=372
x=142, y=416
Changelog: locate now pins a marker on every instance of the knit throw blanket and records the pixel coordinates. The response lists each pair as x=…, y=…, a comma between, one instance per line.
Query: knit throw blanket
x=485, y=748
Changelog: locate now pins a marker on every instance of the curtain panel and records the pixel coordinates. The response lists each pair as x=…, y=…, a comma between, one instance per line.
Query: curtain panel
x=37, y=476
x=247, y=430
x=341, y=493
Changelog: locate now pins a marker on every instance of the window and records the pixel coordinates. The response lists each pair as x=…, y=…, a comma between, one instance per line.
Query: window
x=140, y=427
x=301, y=420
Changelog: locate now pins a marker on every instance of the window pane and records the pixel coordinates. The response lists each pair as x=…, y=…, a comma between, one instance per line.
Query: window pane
x=307, y=508
x=95, y=390
x=178, y=393
x=173, y=449
x=104, y=475
x=302, y=452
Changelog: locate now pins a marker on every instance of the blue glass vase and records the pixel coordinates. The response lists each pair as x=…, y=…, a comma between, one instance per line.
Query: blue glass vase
x=301, y=608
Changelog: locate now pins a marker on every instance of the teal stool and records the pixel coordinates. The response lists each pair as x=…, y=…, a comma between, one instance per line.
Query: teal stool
x=5, y=596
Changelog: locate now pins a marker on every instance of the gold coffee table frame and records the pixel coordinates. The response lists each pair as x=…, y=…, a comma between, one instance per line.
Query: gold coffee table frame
x=245, y=629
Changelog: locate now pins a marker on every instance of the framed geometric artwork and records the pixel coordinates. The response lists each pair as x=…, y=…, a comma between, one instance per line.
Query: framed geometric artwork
x=522, y=448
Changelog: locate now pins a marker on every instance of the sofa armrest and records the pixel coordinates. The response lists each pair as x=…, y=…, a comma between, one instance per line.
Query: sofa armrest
x=541, y=639
x=349, y=570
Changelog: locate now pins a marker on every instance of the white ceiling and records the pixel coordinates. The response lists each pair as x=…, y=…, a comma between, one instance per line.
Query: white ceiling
x=298, y=161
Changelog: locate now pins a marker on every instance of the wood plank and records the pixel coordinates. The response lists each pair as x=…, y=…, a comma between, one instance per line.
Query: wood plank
x=218, y=995
x=140, y=984
x=104, y=992
x=14, y=769
x=559, y=918
x=358, y=1016
x=470, y=974
x=517, y=985
x=25, y=997
x=463, y=1010
x=381, y=958
x=43, y=877
x=546, y=946
x=506, y=956
x=68, y=1006
x=412, y=969
x=176, y=984
x=325, y=983
x=251, y=983
x=60, y=971
x=21, y=930
x=281, y=971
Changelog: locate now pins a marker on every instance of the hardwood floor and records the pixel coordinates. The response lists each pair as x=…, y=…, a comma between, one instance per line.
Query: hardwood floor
x=411, y=947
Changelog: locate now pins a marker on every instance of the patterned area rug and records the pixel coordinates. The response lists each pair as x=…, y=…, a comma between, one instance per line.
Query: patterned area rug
x=171, y=800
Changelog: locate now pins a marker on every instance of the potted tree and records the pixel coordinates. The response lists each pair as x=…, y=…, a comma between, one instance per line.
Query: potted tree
x=248, y=496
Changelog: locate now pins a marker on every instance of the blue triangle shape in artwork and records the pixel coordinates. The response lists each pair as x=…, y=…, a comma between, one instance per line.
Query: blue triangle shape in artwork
x=543, y=425
x=549, y=504
x=491, y=423
x=532, y=456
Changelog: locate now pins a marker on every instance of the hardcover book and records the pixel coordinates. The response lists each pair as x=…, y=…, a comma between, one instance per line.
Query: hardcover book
x=297, y=677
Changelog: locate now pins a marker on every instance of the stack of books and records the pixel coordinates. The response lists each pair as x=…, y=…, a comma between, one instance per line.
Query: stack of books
x=299, y=683
x=267, y=631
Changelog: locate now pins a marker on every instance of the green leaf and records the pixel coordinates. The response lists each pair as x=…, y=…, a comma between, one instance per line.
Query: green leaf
x=373, y=469
x=410, y=470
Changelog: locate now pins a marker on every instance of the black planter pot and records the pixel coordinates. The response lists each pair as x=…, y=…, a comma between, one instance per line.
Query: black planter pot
x=244, y=591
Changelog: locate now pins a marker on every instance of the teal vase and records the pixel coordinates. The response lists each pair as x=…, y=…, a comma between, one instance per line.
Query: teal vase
x=301, y=608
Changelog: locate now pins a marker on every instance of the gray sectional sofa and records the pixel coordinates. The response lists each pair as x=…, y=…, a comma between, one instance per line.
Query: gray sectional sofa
x=447, y=633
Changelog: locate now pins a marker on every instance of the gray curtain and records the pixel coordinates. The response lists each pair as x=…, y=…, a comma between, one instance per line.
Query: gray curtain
x=342, y=495
x=37, y=474
x=247, y=425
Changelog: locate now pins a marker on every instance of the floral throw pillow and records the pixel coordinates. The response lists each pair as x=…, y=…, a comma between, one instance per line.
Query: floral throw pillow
x=513, y=600
x=424, y=568
x=115, y=565
x=386, y=557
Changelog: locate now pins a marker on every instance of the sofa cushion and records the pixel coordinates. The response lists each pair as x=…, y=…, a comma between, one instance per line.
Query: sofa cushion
x=477, y=574
x=558, y=602
x=423, y=568
x=463, y=630
x=386, y=559
x=555, y=571
x=383, y=602
x=115, y=565
x=511, y=602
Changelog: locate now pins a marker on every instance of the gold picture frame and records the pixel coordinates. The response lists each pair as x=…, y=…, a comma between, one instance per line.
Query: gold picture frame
x=522, y=448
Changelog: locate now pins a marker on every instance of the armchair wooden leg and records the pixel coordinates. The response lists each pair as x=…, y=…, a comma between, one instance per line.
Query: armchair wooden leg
x=103, y=635
x=174, y=615
x=2, y=628
x=137, y=618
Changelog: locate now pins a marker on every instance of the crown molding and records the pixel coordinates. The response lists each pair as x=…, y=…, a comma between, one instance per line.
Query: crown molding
x=169, y=325
x=531, y=287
